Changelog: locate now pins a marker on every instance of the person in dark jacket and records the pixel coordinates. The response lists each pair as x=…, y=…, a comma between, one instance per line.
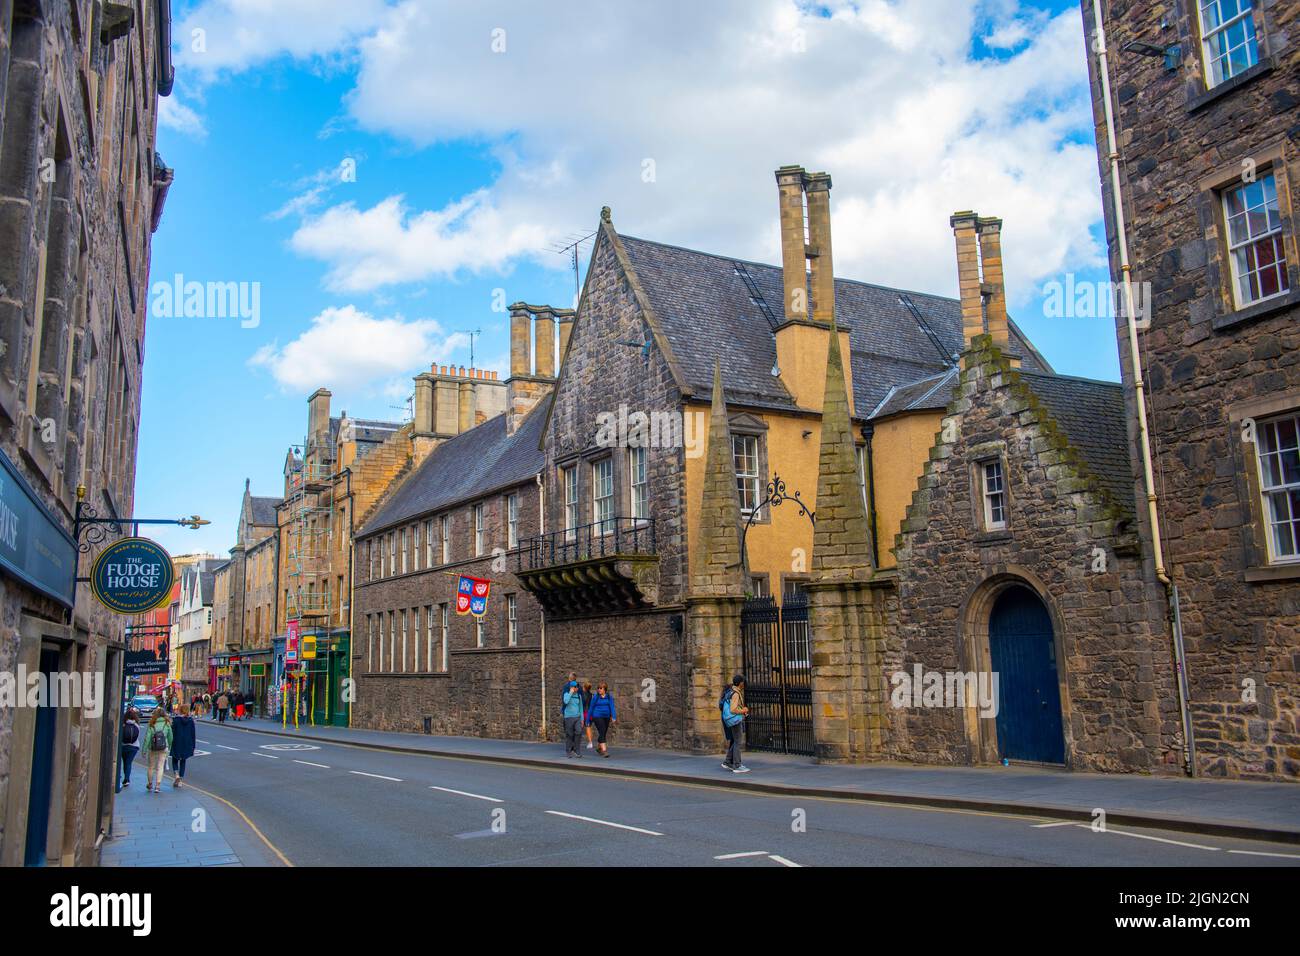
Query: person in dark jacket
x=130, y=743
x=587, y=694
x=602, y=713
x=182, y=742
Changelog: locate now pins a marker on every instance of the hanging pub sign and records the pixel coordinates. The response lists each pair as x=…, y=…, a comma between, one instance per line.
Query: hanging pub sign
x=472, y=595
x=146, y=650
x=132, y=576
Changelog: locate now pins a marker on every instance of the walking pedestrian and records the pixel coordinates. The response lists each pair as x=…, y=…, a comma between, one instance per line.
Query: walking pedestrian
x=587, y=694
x=602, y=714
x=240, y=705
x=223, y=707
x=130, y=743
x=734, y=712
x=157, y=742
x=572, y=713
x=182, y=749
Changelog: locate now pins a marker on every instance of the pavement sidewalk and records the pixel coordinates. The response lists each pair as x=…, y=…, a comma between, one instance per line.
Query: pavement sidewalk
x=179, y=828
x=1246, y=810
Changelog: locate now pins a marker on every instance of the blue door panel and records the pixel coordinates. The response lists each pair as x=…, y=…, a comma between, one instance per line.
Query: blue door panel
x=1023, y=652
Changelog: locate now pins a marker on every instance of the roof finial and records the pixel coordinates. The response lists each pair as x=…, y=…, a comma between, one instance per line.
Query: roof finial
x=604, y=214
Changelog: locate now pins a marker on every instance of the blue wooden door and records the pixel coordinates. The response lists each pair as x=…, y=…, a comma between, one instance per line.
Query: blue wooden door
x=41, y=786
x=1023, y=654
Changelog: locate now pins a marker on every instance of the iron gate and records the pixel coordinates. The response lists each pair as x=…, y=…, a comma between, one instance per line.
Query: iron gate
x=777, y=655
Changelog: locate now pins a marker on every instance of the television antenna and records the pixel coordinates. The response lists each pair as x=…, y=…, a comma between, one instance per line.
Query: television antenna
x=569, y=247
x=472, y=334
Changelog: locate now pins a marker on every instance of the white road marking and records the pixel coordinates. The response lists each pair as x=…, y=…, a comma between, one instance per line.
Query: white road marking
x=783, y=861
x=605, y=823
x=267, y=756
x=1285, y=856
x=1064, y=823
x=224, y=747
x=310, y=764
x=737, y=856
x=377, y=776
x=202, y=741
x=1143, y=836
x=463, y=793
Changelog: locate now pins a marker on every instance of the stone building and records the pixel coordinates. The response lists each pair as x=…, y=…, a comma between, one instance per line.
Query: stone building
x=81, y=191
x=1207, y=182
x=194, y=625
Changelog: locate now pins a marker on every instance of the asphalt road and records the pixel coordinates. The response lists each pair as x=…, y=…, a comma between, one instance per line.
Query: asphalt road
x=340, y=805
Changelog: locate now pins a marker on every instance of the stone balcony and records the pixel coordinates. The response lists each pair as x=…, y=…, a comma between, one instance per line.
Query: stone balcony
x=606, y=567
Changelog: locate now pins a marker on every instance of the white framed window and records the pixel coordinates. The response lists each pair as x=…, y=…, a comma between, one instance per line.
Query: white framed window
x=602, y=494
x=1277, y=450
x=428, y=637
x=392, y=553
x=569, y=479
x=446, y=635
x=428, y=543
x=402, y=546
x=446, y=539
x=415, y=640
x=370, y=642
x=381, y=642
x=478, y=632
x=392, y=640
x=1255, y=246
x=415, y=547
x=512, y=521
x=744, y=453
x=403, y=618
x=1228, y=38
x=638, y=484
x=995, y=495
x=512, y=620
x=478, y=530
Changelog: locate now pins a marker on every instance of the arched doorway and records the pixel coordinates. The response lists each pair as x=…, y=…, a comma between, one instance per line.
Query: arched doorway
x=1022, y=651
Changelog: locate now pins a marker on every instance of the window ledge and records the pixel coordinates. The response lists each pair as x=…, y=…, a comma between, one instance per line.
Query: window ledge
x=1244, y=78
x=1274, y=572
x=993, y=537
x=1277, y=303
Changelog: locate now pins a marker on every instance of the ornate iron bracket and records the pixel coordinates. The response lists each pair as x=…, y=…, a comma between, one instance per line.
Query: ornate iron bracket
x=776, y=496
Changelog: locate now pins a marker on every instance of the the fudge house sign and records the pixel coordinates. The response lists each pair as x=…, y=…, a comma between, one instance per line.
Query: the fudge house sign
x=132, y=576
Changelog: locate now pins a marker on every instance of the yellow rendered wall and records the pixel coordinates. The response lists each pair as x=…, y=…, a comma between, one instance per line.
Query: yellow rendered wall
x=900, y=448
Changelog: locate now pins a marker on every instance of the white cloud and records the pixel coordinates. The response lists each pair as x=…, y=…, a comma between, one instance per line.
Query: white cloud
x=348, y=348
x=175, y=115
x=884, y=94
x=370, y=248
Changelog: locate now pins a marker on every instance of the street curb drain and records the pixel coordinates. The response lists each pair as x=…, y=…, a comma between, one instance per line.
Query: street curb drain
x=1155, y=821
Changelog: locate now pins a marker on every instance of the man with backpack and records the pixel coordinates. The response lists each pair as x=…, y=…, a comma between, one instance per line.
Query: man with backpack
x=734, y=711
x=130, y=743
x=572, y=711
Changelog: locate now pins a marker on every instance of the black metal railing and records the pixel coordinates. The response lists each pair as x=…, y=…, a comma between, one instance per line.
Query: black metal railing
x=618, y=535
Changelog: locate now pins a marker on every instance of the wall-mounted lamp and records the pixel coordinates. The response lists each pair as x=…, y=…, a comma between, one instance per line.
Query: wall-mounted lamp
x=1172, y=55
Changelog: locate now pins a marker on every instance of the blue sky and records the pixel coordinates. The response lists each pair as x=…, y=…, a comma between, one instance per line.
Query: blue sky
x=476, y=151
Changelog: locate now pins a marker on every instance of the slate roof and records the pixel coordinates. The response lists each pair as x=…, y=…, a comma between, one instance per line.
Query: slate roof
x=706, y=310
x=264, y=510
x=1092, y=415
x=471, y=465
x=207, y=581
x=931, y=393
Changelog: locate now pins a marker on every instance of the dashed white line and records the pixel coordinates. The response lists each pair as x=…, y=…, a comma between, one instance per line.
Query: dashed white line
x=224, y=747
x=737, y=856
x=310, y=764
x=1285, y=856
x=1143, y=836
x=377, y=776
x=267, y=756
x=465, y=793
x=783, y=861
x=605, y=823
x=1063, y=823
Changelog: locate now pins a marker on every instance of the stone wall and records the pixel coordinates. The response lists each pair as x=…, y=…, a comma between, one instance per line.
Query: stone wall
x=1119, y=704
x=1210, y=366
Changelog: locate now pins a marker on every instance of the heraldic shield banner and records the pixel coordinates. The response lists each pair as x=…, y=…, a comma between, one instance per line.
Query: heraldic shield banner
x=472, y=595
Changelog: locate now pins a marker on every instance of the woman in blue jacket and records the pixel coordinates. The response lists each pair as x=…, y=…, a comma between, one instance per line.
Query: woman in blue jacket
x=602, y=713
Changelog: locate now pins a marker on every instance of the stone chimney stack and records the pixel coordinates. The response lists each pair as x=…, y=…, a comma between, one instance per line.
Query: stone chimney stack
x=993, y=287
x=528, y=386
x=794, y=248
x=565, y=319
x=968, y=274
x=318, y=416
x=817, y=188
x=545, y=348
x=450, y=400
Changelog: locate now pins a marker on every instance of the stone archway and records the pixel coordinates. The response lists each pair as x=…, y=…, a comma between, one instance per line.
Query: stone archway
x=1010, y=595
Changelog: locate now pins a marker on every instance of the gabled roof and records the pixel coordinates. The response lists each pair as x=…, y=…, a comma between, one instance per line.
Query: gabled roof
x=473, y=464
x=263, y=510
x=705, y=307
x=931, y=393
x=1092, y=415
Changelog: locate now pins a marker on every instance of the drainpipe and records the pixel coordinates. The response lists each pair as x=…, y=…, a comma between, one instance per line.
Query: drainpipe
x=868, y=431
x=1139, y=390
